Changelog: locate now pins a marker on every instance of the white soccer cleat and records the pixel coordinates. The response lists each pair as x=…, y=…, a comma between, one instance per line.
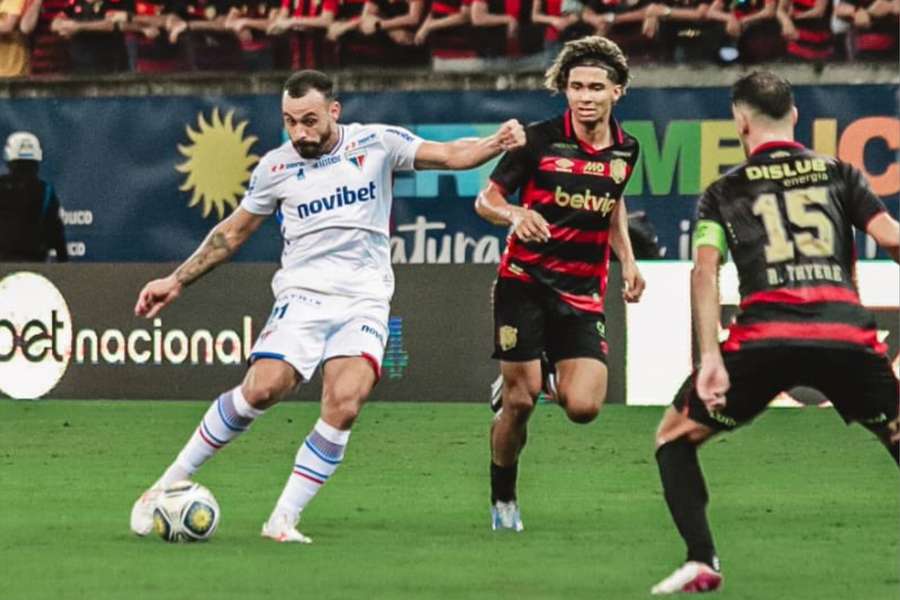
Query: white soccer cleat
x=505, y=516
x=691, y=577
x=282, y=528
x=142, y=511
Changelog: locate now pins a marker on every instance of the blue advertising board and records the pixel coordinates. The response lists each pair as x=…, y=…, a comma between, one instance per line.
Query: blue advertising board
x=144, y=178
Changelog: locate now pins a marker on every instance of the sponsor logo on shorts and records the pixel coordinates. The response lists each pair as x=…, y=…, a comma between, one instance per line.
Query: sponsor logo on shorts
x=372, y=331
x=723, y=419
x=509, y=337
x=601, y=328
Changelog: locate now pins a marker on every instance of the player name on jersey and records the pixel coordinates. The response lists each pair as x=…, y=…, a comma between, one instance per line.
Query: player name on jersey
x=805, y=273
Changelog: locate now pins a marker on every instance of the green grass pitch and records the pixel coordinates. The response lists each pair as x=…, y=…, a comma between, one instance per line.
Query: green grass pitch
x=802, y=508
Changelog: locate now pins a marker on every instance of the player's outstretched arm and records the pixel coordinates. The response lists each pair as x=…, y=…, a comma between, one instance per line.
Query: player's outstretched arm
x=712, y=380
x=620, y=241
x=885, y=230
x=470, y=152
x=223, y=241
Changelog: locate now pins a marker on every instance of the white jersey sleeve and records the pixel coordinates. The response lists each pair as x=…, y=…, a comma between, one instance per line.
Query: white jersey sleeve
x=260, y=198
x=401, y=145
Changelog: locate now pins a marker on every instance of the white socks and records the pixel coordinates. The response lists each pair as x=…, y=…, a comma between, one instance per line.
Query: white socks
x=228, y=417
x=319, y=456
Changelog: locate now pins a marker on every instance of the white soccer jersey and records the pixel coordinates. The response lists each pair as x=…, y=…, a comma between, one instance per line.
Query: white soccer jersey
x=335, y=210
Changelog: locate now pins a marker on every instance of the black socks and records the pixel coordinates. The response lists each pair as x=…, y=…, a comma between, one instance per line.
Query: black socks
x=685, y=492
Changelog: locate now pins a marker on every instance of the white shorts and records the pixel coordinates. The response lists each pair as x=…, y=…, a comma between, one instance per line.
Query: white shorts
x=307, y=328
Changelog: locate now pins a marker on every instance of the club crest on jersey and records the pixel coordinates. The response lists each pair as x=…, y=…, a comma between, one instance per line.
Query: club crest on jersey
x=357, y=159
x=618, y=170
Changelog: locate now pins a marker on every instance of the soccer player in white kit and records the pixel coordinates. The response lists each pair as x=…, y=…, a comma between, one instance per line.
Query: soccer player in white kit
x=330, y=189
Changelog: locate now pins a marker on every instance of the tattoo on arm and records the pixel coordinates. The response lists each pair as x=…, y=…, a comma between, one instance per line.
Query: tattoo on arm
x=213, y=251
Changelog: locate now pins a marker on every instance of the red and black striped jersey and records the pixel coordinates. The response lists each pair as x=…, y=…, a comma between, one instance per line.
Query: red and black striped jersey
x=787, y=215
x=575, y=187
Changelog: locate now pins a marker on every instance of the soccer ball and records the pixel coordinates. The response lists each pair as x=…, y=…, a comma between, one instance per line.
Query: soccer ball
x=186, y=512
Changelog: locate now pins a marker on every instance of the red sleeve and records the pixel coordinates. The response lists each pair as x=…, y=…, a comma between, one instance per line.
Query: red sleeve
x=330, y=6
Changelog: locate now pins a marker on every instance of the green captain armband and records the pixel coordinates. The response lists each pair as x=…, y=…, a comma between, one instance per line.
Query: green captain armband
x=710, y=233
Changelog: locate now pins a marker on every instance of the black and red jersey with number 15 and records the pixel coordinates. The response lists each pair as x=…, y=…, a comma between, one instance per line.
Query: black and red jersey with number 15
x=575, y=187
x=787, y=217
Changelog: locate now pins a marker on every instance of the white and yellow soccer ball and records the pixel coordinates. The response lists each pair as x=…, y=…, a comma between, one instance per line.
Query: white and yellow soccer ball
x=186, y=512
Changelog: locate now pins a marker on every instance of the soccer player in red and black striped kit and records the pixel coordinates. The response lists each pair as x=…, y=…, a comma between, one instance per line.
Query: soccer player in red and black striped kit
x=548, y=298
x=786, y=215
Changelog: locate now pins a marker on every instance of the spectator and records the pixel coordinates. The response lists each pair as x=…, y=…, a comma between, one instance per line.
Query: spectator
x=495, y=30
x=622, y=21
x=30, y=222
x=200, y=28
x=391, y=26
x=752, y=26
x=250, y=21
x=446, y=25
x=157, y=53
x=556, y=16
x=806, y=27
x=18, y=19
x=346, y=20
x=304, y=23
x=875, y=25
x=95, y=29
x=683, y=31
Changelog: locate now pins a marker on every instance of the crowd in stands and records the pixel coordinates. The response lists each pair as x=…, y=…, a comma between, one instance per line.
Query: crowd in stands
x=146, y=36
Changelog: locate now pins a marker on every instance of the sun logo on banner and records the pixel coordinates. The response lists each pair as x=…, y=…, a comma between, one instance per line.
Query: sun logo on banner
x=218, y=162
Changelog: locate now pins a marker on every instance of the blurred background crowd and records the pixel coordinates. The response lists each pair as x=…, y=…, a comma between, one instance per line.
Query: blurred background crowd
x=114, y=36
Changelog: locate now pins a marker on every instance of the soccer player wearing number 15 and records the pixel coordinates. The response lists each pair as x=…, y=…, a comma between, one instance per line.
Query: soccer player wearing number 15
x=329, y=187
x=786, y=215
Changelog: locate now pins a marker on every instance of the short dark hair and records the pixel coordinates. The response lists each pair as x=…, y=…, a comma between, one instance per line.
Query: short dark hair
x=765, y=92
x=300, y=83
x=591, y=51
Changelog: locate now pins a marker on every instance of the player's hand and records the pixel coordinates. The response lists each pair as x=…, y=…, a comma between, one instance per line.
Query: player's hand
x=633, y=282
x=733, y=27
x=511, y=135
x=367, y=24
x=650, y=27
x=862, y=19
x=879, y=8
x=713, y=382
x=789, y=31
x=156, y=295
x=529, y=225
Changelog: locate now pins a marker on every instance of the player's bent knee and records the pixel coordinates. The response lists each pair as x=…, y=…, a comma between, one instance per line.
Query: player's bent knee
x=264, y=395
x=344, y=402
x=582, y=413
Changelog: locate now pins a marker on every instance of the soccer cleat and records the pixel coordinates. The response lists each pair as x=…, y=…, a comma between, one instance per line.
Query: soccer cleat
x=282, y=528
x=548, y=386
x=691, y=577
x=142, y=511
x=505, y=516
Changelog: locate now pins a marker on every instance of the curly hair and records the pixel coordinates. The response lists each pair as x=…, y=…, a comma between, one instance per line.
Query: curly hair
x=591, y=51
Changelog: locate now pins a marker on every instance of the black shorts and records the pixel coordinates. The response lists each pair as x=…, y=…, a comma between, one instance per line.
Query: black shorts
x=530, y=319
x=860, y=384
